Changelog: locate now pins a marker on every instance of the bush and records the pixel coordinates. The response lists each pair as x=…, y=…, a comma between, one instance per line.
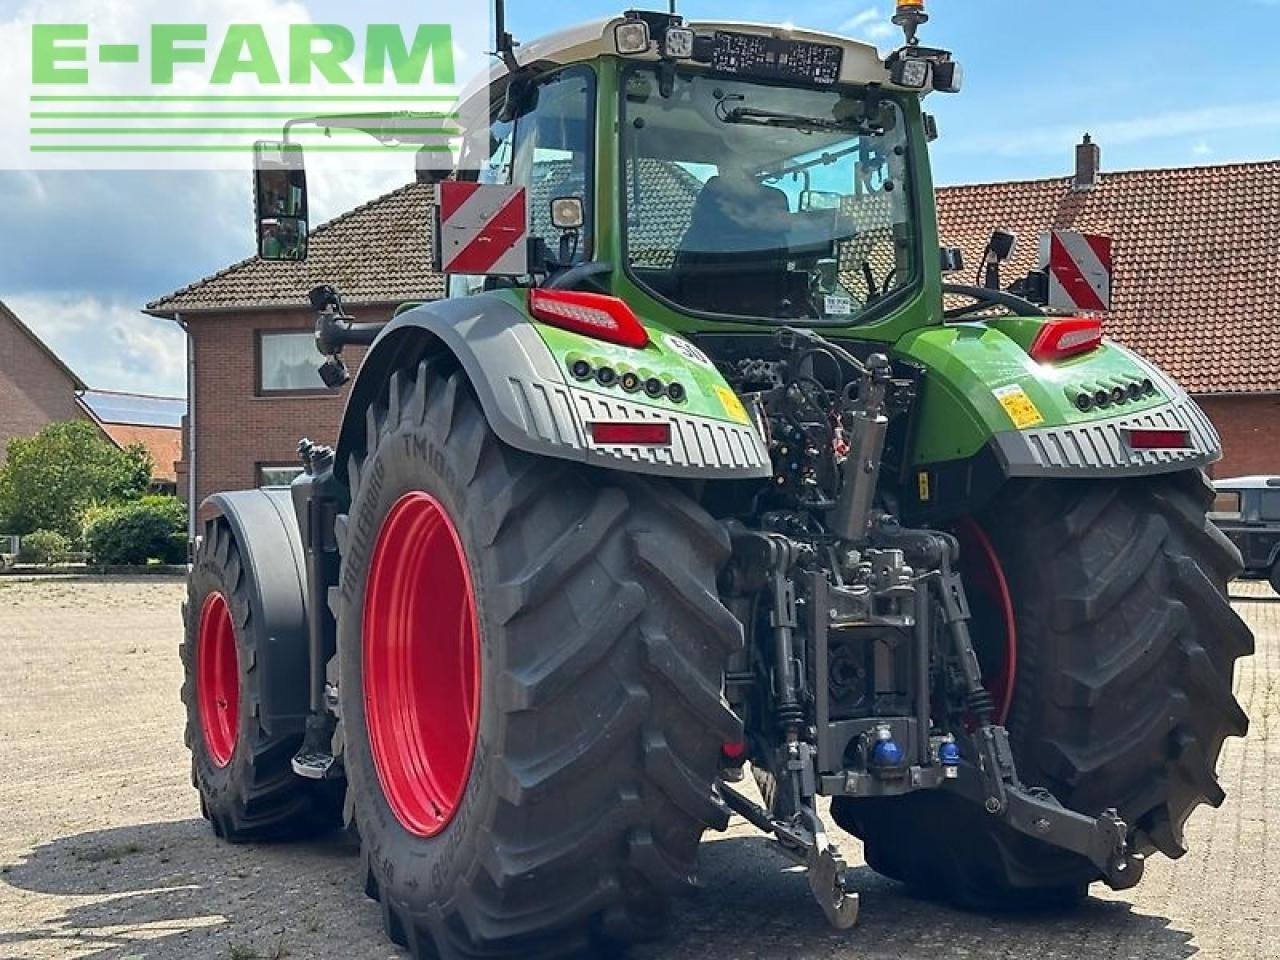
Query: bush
x=45, y=547
x=49, y=480
x=133, y=534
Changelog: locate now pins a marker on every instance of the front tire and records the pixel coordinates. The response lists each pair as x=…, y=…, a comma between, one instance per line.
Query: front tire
x=1126, y=648
x=244, y=774
x=590, y=700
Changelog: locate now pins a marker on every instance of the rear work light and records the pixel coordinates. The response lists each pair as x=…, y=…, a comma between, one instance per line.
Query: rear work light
x=1069, y=337
x=643, y=434
x=1158, y=439
x=593, y=314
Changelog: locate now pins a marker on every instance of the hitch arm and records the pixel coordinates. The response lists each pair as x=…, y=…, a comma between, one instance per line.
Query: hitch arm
x=994, y=782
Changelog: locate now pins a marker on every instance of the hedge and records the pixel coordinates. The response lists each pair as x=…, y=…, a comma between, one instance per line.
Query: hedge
x=138, y=532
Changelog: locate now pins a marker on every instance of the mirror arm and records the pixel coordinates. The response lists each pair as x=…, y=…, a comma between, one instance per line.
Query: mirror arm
x=335, y=331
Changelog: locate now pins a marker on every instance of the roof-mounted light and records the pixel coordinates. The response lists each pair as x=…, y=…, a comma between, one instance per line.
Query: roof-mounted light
x=631, y=37
x=912, y=74
x=678, y=43
x=915, y=67
x=910, y=16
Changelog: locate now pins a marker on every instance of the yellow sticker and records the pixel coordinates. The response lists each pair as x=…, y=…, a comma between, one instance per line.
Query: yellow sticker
x=732, y=405
x=1021, y=409
x=924, y=486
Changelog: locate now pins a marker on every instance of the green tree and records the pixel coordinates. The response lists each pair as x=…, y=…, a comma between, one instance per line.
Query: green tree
x=51, y=479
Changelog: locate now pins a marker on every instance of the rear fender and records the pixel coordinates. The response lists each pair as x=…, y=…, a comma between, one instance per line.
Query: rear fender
x=272, y=559
x=532, y=404
x=988, y=412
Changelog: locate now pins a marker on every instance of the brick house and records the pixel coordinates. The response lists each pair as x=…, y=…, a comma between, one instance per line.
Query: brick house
x=1195, y=290
x=36, y=388
x=134, y=418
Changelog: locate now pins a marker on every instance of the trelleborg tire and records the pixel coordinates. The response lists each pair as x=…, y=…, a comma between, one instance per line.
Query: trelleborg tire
x=547, y=643
x=248, y=790
x=1126, y=650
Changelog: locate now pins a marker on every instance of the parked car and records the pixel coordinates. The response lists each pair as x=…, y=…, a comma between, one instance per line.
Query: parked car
x=1247, y=510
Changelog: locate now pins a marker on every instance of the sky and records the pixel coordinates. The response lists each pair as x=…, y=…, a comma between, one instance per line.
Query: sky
x=1157, y=84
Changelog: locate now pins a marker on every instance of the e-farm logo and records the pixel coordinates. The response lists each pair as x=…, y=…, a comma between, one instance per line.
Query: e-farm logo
x=190, y=89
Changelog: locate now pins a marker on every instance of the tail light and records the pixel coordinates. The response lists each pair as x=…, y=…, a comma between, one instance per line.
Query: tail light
x=1069, y=337
x=592, y=314
x=1157, y=439
x=632, y=434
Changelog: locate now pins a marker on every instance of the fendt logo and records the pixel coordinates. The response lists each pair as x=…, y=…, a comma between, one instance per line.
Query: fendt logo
x=60, y=54
x=103, y=90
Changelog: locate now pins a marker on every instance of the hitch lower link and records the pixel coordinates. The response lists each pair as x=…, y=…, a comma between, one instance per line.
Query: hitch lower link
x=993, y=781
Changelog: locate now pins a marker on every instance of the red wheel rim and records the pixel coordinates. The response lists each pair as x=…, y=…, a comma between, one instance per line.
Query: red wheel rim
x=218, y=680
x=992, y=604
x=421, y=658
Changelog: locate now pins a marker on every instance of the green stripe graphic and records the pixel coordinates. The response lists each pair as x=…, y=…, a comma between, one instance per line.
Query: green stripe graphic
x=204, y=115
x=261, y=131
x=223, y=148
x=264, y=98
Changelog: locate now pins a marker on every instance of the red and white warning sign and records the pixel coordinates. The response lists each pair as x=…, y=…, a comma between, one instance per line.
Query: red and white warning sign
x=1080, y=268
x=483, y=229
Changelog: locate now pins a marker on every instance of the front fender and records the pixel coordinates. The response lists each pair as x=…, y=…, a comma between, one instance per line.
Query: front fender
x=533, y=405
x=271, y=555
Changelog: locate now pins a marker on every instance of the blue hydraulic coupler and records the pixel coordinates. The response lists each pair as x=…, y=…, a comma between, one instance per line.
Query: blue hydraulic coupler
x=949, y=757
x=886, y=753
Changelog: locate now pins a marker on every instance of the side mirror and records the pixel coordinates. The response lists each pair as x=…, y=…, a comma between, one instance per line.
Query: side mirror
x=280, y=201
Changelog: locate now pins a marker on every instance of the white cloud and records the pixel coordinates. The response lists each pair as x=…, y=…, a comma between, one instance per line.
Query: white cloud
x=871, y=24
x=1201, y=148
x=107, y=342
x=859, y=20
x=1046, y=140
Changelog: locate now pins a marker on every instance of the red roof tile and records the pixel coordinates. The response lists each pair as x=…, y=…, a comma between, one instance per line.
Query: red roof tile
x=379, y=253
x=1196, y=286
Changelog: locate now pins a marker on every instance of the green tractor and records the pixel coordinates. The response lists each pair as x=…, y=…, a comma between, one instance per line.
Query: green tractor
x=701, y=471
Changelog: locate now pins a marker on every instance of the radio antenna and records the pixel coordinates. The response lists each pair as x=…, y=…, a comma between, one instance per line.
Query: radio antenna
x=506, y=45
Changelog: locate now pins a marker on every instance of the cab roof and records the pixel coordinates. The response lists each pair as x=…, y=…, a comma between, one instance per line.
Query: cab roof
x=587, y=41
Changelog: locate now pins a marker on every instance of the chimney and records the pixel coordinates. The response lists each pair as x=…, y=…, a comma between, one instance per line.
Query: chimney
x=1088, y=164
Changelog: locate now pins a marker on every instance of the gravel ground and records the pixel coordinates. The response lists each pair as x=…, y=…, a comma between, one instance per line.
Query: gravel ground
x=103, y=854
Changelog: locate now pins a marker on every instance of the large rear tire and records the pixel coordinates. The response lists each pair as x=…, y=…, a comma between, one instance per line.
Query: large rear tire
x=248, y=790
x=555, y=792
x=1126, y=649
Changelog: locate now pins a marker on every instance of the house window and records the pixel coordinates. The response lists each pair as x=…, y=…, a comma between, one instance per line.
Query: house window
x=288, y=363
x=277, y=474
x=1227, y=503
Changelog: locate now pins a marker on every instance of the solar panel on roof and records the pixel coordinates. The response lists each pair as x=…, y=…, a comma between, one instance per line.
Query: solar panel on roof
x=136, y=410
